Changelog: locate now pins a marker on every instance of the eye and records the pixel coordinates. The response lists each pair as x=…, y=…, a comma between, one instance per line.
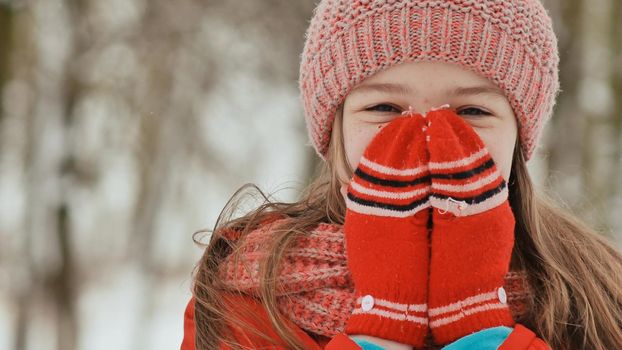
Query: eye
x=384, y=108
x=473, y=111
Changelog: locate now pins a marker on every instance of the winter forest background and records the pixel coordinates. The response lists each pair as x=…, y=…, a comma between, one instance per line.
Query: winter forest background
x=126, y=125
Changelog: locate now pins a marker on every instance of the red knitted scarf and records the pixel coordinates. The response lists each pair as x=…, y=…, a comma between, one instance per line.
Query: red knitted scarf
x=316, y=291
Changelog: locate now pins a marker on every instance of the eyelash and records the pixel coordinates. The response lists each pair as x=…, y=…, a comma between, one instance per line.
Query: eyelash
x=384, y=104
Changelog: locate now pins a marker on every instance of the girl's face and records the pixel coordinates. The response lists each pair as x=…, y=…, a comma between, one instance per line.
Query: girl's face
x=424, y=85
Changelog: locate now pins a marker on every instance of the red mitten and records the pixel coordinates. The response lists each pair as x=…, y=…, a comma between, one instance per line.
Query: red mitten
x=387, y=236
x=472, y=235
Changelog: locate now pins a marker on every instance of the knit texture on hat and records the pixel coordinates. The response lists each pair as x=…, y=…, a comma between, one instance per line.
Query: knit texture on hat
x=316, y=291
x=511, y=42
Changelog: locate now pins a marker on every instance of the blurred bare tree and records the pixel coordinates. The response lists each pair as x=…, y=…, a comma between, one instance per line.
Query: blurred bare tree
x=107, y=153
x=126, y=124
x=583, y=152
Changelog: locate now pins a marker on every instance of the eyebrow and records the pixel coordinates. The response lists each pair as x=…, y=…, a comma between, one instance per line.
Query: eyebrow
x=400, y=89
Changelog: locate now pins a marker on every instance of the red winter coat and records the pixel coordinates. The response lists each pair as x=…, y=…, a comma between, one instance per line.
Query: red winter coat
x=236, y=301
x=520, y=339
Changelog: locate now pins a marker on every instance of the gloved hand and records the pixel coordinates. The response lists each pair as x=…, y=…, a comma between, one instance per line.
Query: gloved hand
x=387, y=236
x=472, y=235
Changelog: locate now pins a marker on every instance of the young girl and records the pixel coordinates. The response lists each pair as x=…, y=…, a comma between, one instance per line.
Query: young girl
x=422, y=228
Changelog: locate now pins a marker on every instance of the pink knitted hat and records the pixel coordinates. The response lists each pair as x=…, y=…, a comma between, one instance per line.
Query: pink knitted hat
x=511, y=42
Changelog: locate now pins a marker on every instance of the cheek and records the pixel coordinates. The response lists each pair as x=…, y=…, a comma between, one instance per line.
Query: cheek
x=501, y=149
x=356, y=137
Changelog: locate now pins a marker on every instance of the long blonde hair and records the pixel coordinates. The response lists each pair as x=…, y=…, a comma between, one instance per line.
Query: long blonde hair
x=575, y=273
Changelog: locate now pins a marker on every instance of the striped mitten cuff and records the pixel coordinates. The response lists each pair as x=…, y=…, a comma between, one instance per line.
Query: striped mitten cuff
x=472, y=235
x=387, y=236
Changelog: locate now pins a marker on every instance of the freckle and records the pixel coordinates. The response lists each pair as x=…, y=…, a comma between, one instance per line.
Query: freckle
x=379, y=126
